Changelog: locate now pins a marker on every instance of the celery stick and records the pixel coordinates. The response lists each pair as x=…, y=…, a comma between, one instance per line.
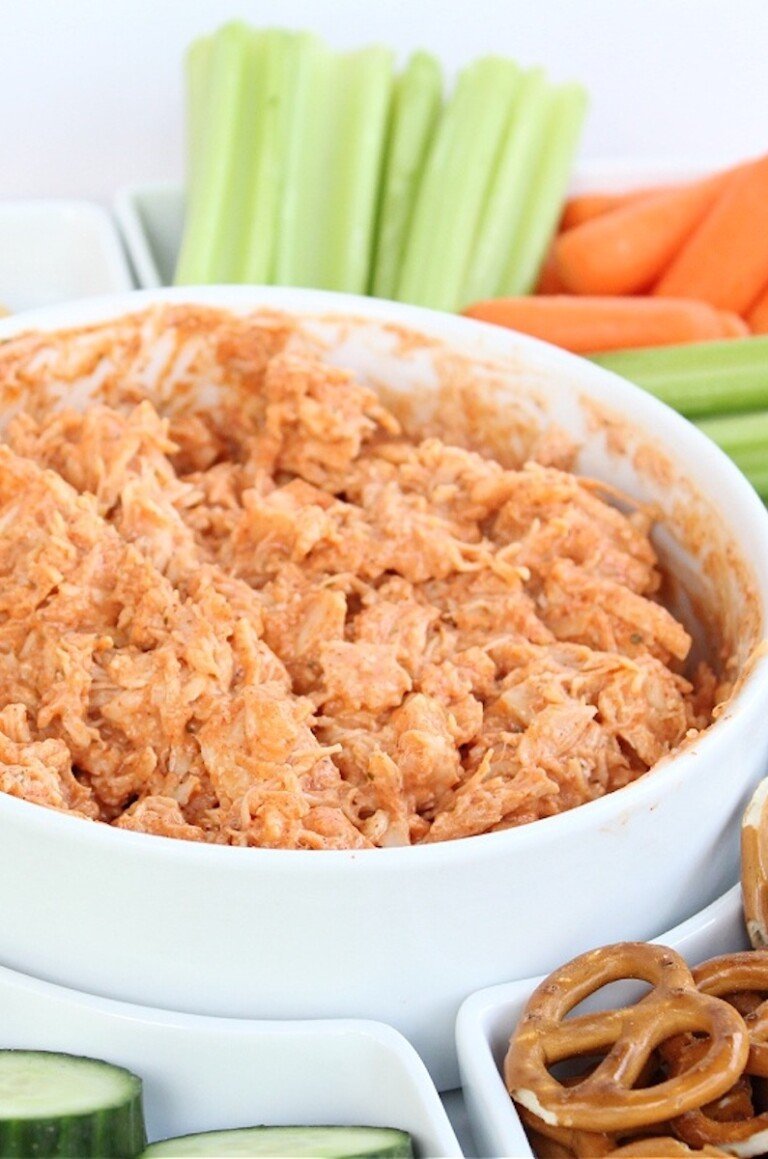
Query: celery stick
x=279, y=53
x=745, y=439
x=453, y=187
x=362, y=96
x=213, y=233
x=299, y=237
x=333, y=168
x=699, y=378
x=507, y=196
x=739, y=434
x=197, y=64
x=758, y=477
x=415, y=109
x=235, y=220
x=546, y=190
x=759, y=480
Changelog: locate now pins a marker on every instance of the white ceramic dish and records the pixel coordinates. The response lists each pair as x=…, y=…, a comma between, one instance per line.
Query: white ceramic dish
x=205, y=1074
x=403, y=935
x=151, y=215
x=54, y=251
x=486, y=1021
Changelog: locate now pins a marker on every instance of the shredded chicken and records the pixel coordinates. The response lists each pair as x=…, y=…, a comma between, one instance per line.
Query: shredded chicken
x=304, y=630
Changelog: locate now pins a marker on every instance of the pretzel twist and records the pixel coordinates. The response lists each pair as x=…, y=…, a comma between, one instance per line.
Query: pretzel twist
x=754, y=866
x=579, y=1144
x=730, y=1122
x=742, y=980
x=660, y=1147
x=605, y=1100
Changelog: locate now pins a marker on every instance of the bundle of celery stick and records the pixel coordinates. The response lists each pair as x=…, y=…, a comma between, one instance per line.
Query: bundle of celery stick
x=309, y=167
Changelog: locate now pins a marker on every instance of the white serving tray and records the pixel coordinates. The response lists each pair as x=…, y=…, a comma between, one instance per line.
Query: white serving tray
x=53, y=251
x=487, y=1019
x=205, y=1073
x=151, y=216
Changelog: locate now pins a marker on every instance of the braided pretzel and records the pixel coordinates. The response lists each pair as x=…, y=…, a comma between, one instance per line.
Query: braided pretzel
x=754, y=866
x=605, y=1101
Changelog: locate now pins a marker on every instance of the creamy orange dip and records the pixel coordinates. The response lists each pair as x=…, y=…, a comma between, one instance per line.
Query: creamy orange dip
x=305, y=630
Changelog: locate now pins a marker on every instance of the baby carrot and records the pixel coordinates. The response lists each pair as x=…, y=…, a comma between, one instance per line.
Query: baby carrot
x=725, y=261
x=585, y=325
x=583, y=207
x=549, y=281
x=758, y=315
x=626, y=250
x=733, y=325
x=587, y=206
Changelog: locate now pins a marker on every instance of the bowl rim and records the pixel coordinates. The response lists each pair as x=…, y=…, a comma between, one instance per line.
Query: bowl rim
x=749, y=703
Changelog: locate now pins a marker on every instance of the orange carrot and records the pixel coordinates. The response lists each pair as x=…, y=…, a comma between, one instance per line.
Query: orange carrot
x=549, y=280
x=733, y=325
x=627, y=250
x=587, y=206
x=586, y=325
x=725, y=261
x=758, y=315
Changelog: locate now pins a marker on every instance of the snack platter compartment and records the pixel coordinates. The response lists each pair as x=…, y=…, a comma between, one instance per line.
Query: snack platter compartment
x=203, y=1074
x=54, y=251
x=488, y=1018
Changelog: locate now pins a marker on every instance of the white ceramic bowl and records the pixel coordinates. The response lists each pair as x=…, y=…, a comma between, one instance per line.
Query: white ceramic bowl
x=487, y=1019
x=207, y=1074
x=403, y=935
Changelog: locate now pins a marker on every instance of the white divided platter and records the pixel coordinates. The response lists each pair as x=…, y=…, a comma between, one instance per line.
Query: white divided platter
x=151, y=216
x=54, y=251
x=205, y=1073
x=487, y=1019
x=151, y=220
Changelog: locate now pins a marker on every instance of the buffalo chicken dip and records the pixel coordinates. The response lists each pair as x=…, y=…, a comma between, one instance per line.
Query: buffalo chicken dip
x=299, y=628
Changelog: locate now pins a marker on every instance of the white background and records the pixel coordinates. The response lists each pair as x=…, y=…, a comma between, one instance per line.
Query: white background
x=91, y=90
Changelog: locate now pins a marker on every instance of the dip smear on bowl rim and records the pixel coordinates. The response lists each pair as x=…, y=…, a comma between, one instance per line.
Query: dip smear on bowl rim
x=270, y=618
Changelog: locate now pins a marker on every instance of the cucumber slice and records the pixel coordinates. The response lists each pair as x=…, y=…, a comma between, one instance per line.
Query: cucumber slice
x=290, y=1143
x=63, y=1105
